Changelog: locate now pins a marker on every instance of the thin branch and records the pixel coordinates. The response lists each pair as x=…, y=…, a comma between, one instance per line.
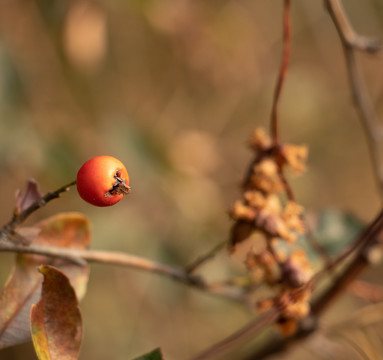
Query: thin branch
x=314, y=244
x=360, y=261
x=259, y=324
x=79, y=256
x=360, y=248
x=242, y=335
x=282, y=73
x=351, y=42
x=20, y=218
x=347, y=33
x=277, y=95
x=360, y=242
x=288, y=189
x=203, y=258
x=277, y=344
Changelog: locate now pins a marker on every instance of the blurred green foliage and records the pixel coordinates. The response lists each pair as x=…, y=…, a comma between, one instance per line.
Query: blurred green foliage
x=336, y=229
x=153, y=355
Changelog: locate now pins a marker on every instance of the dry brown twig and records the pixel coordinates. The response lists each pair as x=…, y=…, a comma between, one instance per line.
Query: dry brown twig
x=362, y=245
x=282, y=74
x=205, y=257
x=353, y=42
x=263, y=321
x=81, y=257
x=366, y=241
x=237, y=338
x=20, y=218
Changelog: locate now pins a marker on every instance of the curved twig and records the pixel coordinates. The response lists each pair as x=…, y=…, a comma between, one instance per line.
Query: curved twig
x=352, y=42
x=81, y=256
x=277, y=344
x=282, y=73
x=240, y=336
x=203, y=258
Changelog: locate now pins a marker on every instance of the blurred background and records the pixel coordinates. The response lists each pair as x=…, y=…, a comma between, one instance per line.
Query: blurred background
x=174, y=89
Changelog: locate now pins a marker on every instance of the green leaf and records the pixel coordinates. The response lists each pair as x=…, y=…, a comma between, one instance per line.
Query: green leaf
x=23, y=287
x=56, y=324
x=153, y=355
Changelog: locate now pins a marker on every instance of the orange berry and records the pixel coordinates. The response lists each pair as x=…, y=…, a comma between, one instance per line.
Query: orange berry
x=103, y=181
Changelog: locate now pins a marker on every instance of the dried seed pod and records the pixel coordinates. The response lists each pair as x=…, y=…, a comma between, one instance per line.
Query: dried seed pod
x=240, y=232
x=295, y=156
x=266, y=177
x=287, y=327
x=243, y=212
x=259, y=140
x=255, y=198
x=297, y=310
x=297, y=269
x=292, y=216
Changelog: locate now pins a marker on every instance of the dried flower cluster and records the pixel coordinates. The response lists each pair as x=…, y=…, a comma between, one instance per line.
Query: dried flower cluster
x=263, y=210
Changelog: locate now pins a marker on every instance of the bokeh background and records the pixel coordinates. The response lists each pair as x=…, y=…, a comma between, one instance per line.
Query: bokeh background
x=174, y=89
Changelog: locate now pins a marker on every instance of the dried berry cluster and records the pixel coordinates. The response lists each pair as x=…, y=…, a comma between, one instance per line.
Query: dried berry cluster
x=265, y=210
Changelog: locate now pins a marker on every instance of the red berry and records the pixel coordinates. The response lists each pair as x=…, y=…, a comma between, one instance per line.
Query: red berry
x=103, y=181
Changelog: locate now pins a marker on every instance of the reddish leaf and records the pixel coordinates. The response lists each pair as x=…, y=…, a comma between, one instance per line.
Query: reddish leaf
x=20, y=291
x=23, y=287
x=56, y=324
x=31, y=195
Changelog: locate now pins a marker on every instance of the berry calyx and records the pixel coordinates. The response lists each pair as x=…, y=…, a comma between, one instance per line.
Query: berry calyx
x=103, y=181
